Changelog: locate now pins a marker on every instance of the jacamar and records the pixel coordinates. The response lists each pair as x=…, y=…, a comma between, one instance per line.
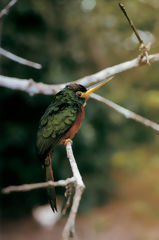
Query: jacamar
x=61, y=121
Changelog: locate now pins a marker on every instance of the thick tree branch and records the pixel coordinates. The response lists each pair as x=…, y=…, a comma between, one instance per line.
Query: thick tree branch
x=111, y=71
x=19, y=59
x=29, y=86
x=32, y=87
x=6, y=9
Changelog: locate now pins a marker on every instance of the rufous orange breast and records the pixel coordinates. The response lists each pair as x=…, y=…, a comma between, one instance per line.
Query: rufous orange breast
x=75, y=127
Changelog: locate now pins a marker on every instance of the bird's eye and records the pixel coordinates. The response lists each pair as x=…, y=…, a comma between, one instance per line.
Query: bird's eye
x=79, y=94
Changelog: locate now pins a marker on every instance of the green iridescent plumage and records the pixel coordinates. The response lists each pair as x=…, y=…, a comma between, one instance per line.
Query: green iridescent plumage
x=58, y=118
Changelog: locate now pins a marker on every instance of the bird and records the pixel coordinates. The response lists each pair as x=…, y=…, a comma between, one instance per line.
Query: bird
x=59, y=123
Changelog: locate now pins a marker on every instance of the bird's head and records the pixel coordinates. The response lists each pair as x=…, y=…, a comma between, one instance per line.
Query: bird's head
x=80, y=93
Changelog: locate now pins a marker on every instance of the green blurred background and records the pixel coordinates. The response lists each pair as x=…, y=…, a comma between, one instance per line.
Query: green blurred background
x=72, y=39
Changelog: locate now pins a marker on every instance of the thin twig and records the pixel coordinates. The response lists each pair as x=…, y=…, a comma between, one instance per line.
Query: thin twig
x=142, y=48
x=33, y=186
x=127, y=113
x=6, y=9
x=19, y=59
x=69, y=229
x=122, y=7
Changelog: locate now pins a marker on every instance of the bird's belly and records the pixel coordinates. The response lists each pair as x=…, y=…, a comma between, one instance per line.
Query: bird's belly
x=75, y=127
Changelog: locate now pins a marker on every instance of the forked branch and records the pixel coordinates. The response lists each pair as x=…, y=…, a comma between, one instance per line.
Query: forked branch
x=32, y=87
x=69, y=229
x=33, y=186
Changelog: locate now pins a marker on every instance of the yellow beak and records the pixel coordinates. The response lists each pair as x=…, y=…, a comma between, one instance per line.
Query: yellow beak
x=91, y=90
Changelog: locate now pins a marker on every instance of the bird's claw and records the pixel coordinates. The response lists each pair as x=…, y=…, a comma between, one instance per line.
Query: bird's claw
x=68, y=140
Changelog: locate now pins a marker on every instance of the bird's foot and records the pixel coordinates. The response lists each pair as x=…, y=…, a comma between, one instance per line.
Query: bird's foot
x=68, y=140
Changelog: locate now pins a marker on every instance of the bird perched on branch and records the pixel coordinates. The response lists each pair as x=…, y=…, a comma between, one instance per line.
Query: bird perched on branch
x=60, y=122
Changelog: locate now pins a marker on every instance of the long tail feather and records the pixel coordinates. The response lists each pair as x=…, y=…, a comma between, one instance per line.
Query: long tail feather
x=49, y=177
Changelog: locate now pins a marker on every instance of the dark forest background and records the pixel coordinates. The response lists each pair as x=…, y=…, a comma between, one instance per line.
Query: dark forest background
x=72, y=39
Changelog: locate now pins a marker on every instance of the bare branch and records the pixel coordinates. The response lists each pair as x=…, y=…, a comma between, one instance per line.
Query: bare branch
x=69, y=229
x=33, y=186
x=19, y=59
x=29, y=86
x=32, y=87
x=111, y=71
x=127, y=113
x=6, y=9
x=143, y=48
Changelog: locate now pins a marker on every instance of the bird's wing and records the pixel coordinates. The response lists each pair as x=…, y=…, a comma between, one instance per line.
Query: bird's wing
x=53, y=126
